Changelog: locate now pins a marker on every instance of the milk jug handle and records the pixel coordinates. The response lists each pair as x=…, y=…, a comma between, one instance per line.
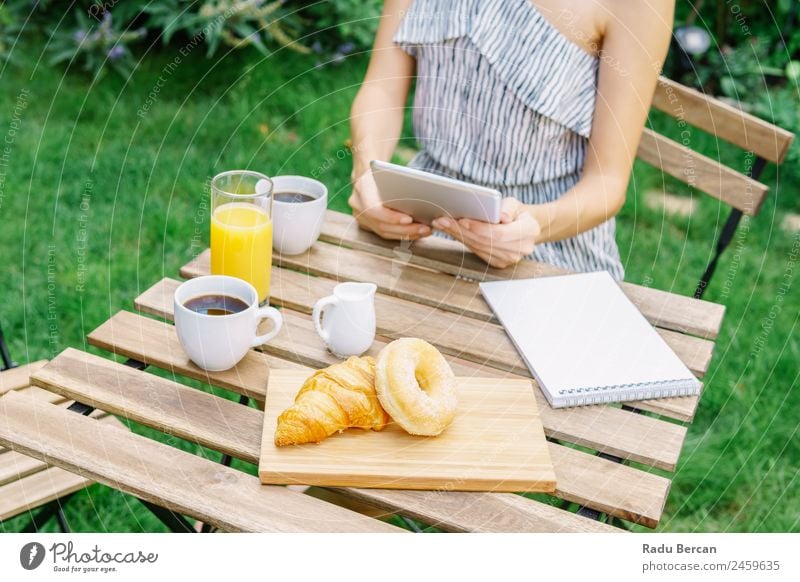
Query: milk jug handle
x=318, y=313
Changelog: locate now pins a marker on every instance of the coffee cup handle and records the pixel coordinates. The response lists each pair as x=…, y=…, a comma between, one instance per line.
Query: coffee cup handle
x=277, y=320
x=319, y=309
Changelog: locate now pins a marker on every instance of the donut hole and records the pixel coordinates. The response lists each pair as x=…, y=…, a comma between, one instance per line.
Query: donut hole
x=422, y=382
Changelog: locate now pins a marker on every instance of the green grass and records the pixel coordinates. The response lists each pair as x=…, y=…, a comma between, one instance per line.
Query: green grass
x=101, y=203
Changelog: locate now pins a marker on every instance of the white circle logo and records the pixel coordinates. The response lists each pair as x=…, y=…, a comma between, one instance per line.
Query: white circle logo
x=31, y=555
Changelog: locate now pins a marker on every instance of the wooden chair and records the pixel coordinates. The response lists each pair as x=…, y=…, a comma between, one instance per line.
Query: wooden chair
x=27, y=483
x=741, y=191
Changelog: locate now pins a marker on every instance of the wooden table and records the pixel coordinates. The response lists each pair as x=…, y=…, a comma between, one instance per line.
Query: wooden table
x=611, y=461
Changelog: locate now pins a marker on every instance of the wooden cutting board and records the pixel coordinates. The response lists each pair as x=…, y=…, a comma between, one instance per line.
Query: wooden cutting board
x=496, y=443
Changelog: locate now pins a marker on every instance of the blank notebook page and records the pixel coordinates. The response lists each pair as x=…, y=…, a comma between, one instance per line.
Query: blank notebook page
x=584, y=340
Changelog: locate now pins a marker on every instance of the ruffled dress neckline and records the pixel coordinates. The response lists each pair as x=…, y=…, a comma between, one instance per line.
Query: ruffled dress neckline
x=545, y=69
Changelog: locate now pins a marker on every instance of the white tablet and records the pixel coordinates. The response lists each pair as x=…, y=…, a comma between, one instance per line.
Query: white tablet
x=426, y=196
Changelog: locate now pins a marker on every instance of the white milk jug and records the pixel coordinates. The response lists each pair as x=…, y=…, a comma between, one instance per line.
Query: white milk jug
x=346, y=320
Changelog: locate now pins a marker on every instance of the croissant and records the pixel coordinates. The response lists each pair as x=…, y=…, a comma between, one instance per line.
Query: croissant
x=333, y=399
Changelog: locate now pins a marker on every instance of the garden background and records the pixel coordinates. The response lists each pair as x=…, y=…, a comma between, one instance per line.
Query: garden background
x=115, y=115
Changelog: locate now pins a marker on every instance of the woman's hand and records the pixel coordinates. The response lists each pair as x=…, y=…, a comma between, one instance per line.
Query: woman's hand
x=372, y=215
x=500, y=245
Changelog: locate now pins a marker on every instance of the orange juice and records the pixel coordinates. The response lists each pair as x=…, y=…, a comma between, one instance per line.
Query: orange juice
x=241, y=244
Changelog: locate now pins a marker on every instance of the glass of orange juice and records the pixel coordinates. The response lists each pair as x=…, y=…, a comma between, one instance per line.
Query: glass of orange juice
x=241, y=228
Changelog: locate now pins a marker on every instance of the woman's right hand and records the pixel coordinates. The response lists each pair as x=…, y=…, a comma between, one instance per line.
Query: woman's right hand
x=372, y=215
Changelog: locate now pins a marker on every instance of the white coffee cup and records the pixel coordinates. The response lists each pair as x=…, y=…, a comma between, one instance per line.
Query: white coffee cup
x=346, y=320
x=219, y=342
x=296, y=225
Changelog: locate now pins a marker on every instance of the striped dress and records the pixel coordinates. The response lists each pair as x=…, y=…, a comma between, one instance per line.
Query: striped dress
x=505, y=100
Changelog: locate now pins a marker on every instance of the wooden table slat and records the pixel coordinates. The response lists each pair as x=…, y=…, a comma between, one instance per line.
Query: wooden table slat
x=37, y=489
x=153, y=401
x=461, y=511
x=665, y=309
x=680, y=408
x=604, y=428
x=16, y=378
x=45, y=395
x=51, y=398
x=14, y=465
x=197, y=487
x=156, y=344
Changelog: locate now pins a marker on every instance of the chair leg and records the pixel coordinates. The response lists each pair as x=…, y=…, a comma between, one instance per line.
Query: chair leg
x=410, y=524
x=54, y=508
x=590, y=513
x=174, y=521
x=726, y=236
x=62, y=520
x=7, y=361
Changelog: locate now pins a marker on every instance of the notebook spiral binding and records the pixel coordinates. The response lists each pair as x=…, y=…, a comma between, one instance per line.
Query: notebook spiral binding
x=589, y=395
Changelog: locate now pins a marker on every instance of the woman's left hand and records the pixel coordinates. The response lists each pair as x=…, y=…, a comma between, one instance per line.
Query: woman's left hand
x=501, y=245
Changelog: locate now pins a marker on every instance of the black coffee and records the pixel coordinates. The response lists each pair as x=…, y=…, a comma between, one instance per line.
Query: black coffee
x=215, y=304
x=293, y=197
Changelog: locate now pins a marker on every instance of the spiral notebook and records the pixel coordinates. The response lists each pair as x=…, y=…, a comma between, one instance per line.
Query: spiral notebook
x=585, y=342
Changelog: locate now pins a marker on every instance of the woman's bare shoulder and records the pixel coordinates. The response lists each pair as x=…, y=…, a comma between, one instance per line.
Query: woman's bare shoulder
x=396, y=7
x=624, y=13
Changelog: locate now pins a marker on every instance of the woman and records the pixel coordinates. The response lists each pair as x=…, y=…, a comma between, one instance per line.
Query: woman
x=544, y=100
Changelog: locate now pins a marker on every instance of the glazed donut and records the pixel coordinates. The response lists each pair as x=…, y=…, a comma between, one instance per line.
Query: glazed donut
x=416, y=386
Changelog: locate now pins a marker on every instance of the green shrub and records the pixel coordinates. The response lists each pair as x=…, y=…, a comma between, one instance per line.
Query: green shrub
x=235, y=23
x=9, y=29
x=754, y=60
x=343, y=24
x=101, y=34
x=94, y=45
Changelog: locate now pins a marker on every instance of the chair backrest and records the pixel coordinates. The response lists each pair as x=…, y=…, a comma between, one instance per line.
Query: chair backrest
x=741, y=191
x=691, y=107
